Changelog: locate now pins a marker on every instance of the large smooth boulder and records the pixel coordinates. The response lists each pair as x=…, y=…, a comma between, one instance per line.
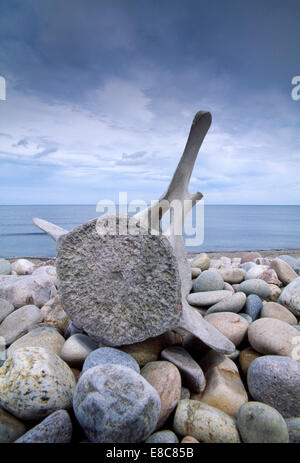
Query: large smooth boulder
x=275, y=381
x=114, y=404
x=35, y=382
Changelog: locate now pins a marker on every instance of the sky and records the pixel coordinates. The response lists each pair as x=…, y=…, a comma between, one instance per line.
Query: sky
x=101, y=94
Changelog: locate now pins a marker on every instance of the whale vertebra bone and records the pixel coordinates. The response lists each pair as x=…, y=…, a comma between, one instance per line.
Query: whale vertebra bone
x=125, y=288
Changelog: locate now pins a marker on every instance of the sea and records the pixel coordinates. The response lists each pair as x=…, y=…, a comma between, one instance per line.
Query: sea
x=226, y=228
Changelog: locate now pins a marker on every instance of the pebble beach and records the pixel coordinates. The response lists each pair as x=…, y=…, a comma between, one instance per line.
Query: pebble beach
x=60, y=385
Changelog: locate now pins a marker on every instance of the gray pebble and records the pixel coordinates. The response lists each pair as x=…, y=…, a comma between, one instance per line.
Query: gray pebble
x=275, y=381
x=55, y=429
x=162, y=437
x=253, y=306
x=109, y=355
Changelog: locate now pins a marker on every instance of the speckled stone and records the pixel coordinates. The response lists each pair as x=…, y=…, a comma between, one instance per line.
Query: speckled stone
x=209, y=280
x=255, y=272
x=232, y=325
x=41, y=336
x=162, y=437
x=54, y=314
x=205, y=423
x=255, y=286
x=10, y=427
x=166, y=380
x=18, y=323
x=191, y=373
x=105, y=355
x=34, y=382
x=275, y=381
x=76, y=349
x=253, y=306
x=259, y=423
x=5, y=309
x=185, y=393
x=278, y=311
x=293, y=425
x=272, y=337
x=270, y=277
x=55, y=429
x=275, y=292
x=233, y=303
x=114, y=404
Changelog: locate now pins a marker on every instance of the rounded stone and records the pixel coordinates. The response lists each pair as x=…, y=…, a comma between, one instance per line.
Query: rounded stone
x=207, y=298
x=201, y=261
x=275, y=292
x=246, y=317
x=209, y=280
x=293, y=425
x=41, y=336
x=250, y=256
x=253, y=306
x=205, y=423
x=285, y=273
x=195, y=272
x=55, y=429
x=273, y=337
x=162, y=437
x=150, y=349
x=294, y=263
x=22, y=267
x=290, y=297
x=224, y=388
x=5, y=267
x=275, y=381
x=189, y=440
x=278, y=311
x=166, y=380
x=105, y=355
x=54, y=314
x=255, y=286
x=5, y=309
x=34, y=382
x=191, y=373
x=114, y=404
x=232, y=325
x=247, y=265
x=246, y=357
x=270, y=277
x=255, y=272
x=259, y=423
x=233, y=303
x=19, y=322
x=185, y=393
x=10, y=427
x=76, y=349
x=232, y=275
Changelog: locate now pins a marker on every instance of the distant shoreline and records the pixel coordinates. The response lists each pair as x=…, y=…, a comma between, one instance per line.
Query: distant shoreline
x=214, y=255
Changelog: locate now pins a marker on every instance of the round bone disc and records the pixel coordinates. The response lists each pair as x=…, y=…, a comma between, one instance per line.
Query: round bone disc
x=119, y=288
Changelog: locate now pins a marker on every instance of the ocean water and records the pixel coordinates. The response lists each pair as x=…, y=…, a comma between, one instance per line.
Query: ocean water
x=226, y=228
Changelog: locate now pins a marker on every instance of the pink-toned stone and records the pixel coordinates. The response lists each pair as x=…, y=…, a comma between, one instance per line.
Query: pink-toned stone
x=270, y=277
